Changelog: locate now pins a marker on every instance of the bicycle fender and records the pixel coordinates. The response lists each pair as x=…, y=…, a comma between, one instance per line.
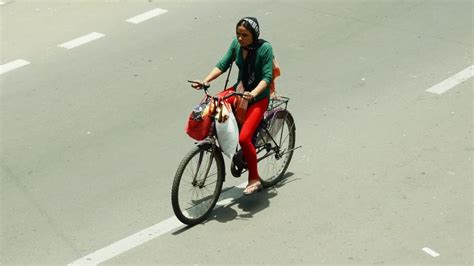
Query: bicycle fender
x=280, y=113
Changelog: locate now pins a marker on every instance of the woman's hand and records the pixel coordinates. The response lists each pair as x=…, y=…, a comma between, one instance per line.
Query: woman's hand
x=197, y=84
x=249, y=95
x=252, y=94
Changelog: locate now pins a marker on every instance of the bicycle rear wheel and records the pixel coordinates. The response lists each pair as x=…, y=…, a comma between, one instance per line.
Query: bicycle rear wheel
x=197, y=184
x=275, y=144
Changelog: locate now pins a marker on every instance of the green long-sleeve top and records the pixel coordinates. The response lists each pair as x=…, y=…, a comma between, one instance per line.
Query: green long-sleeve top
x=263, y=65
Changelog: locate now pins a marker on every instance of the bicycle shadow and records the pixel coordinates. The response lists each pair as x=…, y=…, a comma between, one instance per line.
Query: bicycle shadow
x=249, y=205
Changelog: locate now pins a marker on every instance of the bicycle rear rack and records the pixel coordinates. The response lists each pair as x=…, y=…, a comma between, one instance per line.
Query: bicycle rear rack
x=278, y=101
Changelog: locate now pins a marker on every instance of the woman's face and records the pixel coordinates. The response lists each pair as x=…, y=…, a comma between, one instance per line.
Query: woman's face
x=244, y=36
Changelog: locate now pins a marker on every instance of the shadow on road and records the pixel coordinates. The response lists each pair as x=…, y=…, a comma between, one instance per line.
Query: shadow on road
x=250, y=205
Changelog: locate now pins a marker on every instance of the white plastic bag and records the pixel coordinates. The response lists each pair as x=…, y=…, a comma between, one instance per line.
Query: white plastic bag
x=228, y=134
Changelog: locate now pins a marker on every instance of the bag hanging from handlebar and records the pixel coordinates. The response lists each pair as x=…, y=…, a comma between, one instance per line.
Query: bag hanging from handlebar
x=227, y=129
x=199, y=121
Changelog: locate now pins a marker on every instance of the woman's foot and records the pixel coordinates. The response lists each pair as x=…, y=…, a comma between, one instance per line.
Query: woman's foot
x=252, y=187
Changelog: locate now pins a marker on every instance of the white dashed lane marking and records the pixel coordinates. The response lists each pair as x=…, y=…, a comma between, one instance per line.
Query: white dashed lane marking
x=82, y=40
x=13, y=65
x=431, y=252
x=147, y=15
x=453, y=81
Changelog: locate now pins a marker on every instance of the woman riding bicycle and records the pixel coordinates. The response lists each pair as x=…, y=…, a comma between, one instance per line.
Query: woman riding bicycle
x=254, y=57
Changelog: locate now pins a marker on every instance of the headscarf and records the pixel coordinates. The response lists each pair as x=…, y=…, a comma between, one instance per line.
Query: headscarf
x=254, y=26
x=248, y=71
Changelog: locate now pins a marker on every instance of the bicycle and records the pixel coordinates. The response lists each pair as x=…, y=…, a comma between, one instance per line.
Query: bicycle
x=200, y=175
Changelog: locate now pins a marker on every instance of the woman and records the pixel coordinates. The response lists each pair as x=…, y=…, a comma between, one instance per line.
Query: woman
x=254, y=57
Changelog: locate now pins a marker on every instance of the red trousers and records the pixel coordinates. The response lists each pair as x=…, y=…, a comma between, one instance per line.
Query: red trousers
x=253, y=117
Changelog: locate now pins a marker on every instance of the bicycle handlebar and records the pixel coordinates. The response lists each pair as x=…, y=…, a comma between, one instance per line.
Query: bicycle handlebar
x=233, y=94
x=203, y=85
x=206, y=86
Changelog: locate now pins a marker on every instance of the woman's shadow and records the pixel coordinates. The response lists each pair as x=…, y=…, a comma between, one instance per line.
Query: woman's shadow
x=249, y=205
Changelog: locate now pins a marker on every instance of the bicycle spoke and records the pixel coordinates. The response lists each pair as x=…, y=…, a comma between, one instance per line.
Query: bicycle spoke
x=209, y=184
x=287, y=135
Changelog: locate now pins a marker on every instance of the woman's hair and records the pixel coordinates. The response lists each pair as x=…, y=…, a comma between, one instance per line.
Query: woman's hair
x=251, y=24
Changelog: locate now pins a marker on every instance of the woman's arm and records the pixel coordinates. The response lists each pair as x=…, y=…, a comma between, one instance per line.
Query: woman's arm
x=262, y=85
x=215, y=72
x=221, y=66
x=267, y=72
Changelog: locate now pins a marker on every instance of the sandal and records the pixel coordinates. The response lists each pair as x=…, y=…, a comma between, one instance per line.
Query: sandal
x=250, y=189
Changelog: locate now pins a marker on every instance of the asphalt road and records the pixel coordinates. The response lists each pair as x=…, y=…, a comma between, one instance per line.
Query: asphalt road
x=91, y=136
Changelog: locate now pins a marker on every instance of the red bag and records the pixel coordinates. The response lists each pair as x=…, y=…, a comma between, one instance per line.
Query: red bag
x=199, y=121
x=198, y=129
x=276, y=74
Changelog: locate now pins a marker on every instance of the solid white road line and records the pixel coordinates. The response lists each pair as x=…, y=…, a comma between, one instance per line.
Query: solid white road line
x=82, y=40
x=147, y=15
x=453, y=81
x=431, y=252
x=149, y=233
x=13, y=65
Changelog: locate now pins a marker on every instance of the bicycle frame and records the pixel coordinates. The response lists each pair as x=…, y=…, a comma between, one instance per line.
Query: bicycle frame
x=277, y=105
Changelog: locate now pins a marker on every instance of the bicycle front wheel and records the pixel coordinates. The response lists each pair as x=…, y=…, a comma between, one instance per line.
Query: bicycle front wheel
x=275, y=146
x=197, y=184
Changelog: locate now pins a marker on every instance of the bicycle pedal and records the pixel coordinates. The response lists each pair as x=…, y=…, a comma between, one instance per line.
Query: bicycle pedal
x=235, y=170
x=236, y=175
